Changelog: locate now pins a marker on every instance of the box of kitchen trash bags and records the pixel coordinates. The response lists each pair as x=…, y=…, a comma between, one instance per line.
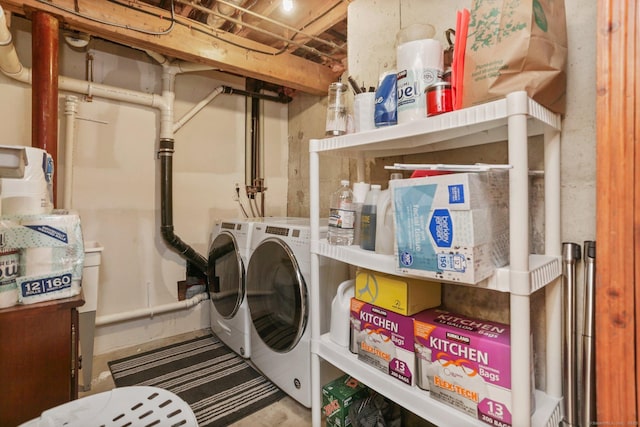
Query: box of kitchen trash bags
x=337, y=397
x=383, y=339
x=42, y=255
x=452, y=227
x=466, y=363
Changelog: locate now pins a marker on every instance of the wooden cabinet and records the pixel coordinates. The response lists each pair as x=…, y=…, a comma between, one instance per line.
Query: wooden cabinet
x=38, y=358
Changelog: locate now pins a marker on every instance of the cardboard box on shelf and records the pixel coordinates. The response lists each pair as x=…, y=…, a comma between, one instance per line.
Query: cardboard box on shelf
x=452, y=227
x=401, y=295
x=465, y=363
x=337, y=397
x=383, y=339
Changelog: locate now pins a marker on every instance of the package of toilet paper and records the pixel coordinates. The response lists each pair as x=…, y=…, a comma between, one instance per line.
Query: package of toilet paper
x=51, y=254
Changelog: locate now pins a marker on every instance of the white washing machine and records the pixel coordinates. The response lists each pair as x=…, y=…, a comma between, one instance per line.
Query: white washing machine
x=277, y=282
x=228, y=257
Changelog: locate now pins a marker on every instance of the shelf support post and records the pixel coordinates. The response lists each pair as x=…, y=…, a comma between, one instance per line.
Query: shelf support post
x=314, y=217
x=517, y=110
x=553, y=246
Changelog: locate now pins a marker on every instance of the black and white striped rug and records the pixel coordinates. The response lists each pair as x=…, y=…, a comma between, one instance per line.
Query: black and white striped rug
x=219, y=385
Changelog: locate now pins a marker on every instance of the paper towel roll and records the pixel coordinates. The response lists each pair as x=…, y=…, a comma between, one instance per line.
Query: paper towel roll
x=8, y=295
x=420, y=64
x=60, y=247
x=29, y=194
x=25, y=205
x=38, y=261
x=22, y=197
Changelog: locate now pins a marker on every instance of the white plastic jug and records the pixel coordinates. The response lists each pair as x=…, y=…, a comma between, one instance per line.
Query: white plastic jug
x=384, y=225
x=340, y=313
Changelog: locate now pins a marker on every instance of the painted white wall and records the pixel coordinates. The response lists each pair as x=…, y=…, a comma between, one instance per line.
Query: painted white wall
x=116, y=177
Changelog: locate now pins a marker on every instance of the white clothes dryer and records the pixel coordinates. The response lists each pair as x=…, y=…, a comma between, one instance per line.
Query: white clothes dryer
x=277, y=282
x=228, y=257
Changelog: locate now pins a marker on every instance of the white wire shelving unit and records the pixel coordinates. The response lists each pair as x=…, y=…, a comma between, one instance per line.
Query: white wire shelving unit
x=514, y=119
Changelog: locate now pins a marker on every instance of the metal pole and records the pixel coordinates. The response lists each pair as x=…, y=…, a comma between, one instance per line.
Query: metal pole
x=588, y=406
x=570, y=256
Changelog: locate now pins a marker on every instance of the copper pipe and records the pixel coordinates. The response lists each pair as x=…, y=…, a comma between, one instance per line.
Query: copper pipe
x=44, y=94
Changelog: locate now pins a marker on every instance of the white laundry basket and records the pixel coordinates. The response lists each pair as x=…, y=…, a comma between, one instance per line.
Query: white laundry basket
x=135, y=406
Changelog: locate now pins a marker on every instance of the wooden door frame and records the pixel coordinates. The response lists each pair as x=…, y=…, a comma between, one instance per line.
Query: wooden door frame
x=618, y=212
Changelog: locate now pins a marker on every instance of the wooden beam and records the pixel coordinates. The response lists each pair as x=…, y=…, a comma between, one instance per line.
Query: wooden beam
x=186, y=40
x=618, y=212
x=336, y=14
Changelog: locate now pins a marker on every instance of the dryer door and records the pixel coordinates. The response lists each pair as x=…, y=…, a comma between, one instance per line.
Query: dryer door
x=277, y=295
x=226, y=275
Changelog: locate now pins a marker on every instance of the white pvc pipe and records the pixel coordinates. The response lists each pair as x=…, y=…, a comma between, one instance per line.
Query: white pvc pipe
x=169, y=71
x=160, y=59
x=70, y=111
x=196, y=109
x=112, y=93
x=151, y=311
x=9, y=62
x=553, y=246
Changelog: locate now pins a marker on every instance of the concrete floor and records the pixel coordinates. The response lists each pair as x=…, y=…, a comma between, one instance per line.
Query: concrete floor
x=284, y=413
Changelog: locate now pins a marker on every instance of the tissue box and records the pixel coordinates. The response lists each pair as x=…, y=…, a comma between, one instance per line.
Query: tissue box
x=383, y=339
x=337, y=397
x=399, y=294
x=452, y=227
x=465, y=363
x=51, y=254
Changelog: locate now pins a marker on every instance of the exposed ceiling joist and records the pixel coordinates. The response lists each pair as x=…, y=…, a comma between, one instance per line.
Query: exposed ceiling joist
x=147, y=27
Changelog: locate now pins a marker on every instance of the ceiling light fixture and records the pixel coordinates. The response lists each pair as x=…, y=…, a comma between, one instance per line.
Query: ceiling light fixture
x=76, y=39
x=287, y=5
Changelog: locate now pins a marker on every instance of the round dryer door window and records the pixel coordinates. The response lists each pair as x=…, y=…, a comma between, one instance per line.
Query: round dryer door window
x=277, y=295
x=226, y=275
